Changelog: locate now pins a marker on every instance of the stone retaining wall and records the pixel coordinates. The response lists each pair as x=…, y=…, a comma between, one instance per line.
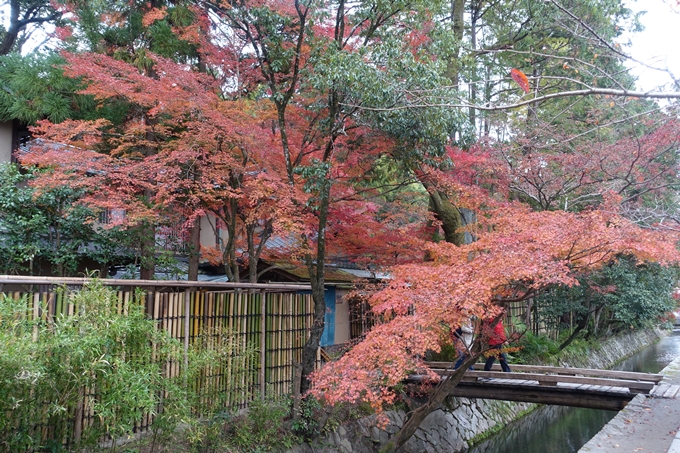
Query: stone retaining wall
x=451, y=428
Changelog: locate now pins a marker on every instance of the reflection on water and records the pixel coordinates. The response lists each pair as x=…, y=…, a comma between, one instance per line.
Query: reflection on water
x=549, y=429
x=654, y=358
x=559, y=429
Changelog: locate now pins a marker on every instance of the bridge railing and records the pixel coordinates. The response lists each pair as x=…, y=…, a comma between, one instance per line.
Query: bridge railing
x=549, y=375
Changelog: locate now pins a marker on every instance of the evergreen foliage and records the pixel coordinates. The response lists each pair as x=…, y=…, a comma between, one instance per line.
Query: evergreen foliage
x=625, y=294
x=49, y=226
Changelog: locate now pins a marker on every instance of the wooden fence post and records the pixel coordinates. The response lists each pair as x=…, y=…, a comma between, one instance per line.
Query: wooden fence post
x=187, y=304
x=263, y=337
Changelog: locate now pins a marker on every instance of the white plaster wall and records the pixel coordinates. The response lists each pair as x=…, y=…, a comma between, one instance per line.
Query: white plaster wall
x=6, y=141
x=207, y=231
x=341, y=317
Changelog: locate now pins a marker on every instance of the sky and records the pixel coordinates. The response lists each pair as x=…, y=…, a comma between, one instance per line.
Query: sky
x=658, y=45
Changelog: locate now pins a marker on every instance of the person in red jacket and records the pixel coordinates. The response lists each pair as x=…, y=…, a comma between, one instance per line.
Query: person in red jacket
x=496, y=340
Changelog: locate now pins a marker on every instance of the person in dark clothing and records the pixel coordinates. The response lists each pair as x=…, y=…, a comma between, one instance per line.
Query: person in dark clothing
x=496, y=341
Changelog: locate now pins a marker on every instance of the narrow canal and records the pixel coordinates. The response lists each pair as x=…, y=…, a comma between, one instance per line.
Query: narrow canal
x=558, y=429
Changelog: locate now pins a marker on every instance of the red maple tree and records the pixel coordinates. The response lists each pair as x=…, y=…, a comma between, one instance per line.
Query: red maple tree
x=518, y=253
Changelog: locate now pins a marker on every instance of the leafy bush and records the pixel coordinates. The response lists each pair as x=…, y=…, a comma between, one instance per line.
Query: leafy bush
x=110, y=361
x=535, y=348
x=97, y=362
x=261, y=428
x=644, y=292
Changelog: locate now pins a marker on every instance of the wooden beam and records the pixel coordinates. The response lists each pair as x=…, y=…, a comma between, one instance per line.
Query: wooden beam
x=27, y=280
x=543, y=395
x=552, y=379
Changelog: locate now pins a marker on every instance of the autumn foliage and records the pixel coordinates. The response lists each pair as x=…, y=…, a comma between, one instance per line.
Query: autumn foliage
x=519, y=252
x=268, y=137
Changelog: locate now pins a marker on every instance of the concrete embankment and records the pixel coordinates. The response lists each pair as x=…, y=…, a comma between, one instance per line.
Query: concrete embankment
x=648, y=424
x=452, y=428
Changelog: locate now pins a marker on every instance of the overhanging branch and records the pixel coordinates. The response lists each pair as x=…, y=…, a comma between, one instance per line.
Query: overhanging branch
x=591, y=91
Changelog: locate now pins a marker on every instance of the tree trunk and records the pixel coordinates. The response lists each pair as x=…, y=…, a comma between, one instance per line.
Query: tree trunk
x=452, y=223
x=194, y=250
x=579, y=327
x=313, y=341
x=473, y=82
x=445, y=211
x=450, y=217
x=147, y=266
x=458, y=24
x=527, y=313
x=13, y=30
x=316, y=270
x=596, y=321
x=434, y=402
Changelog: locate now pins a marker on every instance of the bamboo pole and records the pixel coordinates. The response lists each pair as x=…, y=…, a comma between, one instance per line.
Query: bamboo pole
x=163, y=311
x=276, y=357
x=179, y=313
x=36, y=305
x=289, y=343
x=51, y=306
x=197, y=317
x=231, y=298
x=244, y=348
x=59, y=304
x=262, y=341
x=187, y=303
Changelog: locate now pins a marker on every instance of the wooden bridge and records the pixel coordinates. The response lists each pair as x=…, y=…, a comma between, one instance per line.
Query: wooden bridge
x=579, y=387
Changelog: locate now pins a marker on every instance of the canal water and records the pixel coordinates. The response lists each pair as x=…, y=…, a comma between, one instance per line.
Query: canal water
x=559, y=429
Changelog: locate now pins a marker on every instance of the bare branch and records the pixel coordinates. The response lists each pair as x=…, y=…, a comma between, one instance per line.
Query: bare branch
x=590, y=91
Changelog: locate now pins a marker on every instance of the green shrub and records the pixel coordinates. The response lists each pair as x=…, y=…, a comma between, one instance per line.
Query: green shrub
x=97, y=361
x=535, y=348
x=109, y=361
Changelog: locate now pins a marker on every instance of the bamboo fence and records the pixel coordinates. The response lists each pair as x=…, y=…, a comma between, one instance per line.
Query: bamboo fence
x=527, y=312
x=273, y=320
x=361, y=318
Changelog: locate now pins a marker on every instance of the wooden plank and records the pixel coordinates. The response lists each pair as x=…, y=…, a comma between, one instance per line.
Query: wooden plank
x=548, y=379
x=223, y=286
x=661, y=389
x=567, y=371
x=671, y=392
